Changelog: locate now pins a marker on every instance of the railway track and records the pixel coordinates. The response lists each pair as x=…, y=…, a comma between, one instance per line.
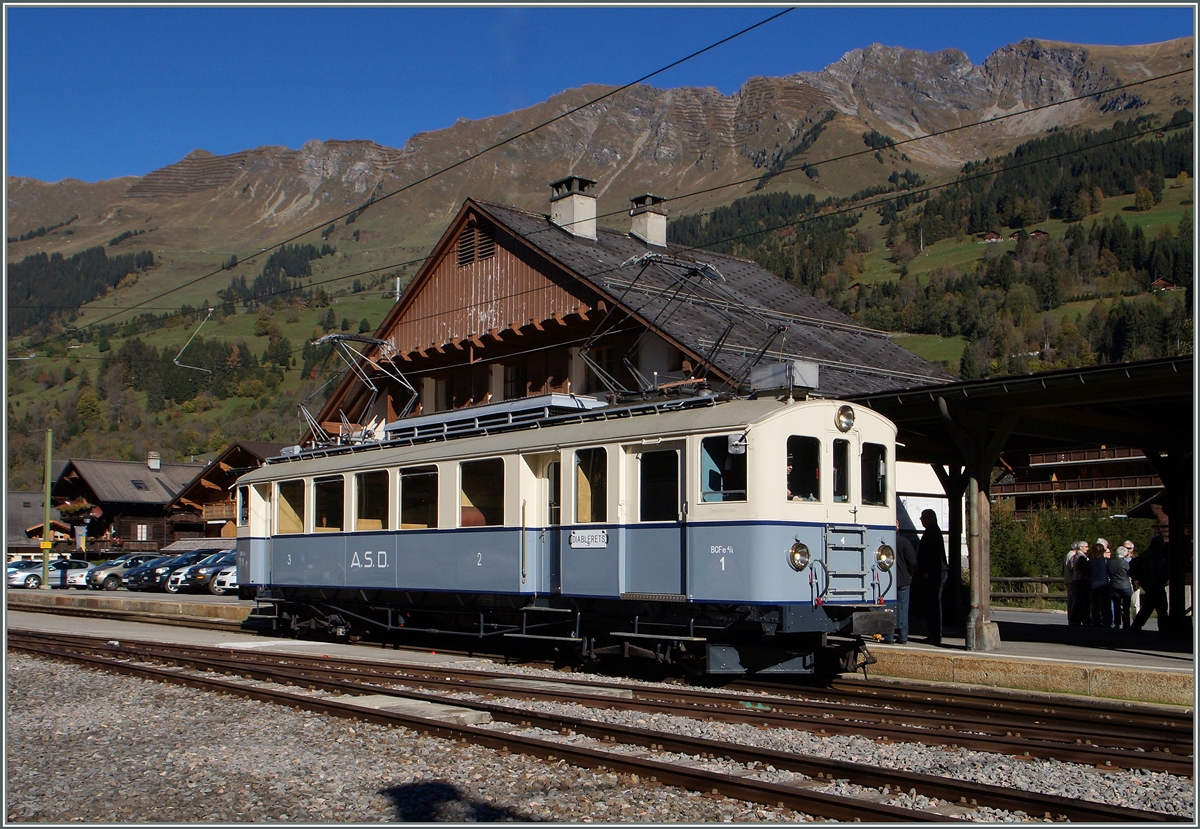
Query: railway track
x=359, y=678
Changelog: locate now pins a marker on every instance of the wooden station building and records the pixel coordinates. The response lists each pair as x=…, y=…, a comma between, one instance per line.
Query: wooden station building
x=512, y=303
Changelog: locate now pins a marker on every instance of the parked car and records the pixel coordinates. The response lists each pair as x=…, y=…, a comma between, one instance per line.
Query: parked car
x=60, y=570
x=23, y=564
x=225, y=581
x=154, y=574
x=107, y=576
x=199, y=576
x=77, y=576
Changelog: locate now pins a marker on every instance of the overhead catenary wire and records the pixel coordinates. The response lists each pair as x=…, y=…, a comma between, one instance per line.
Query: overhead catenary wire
x=885, y=198
x=691, y=194
x=474, y=156
x=882, y=200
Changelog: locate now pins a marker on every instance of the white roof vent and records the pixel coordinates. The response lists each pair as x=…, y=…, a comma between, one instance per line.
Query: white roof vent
x=573, y=206
x=154, y=460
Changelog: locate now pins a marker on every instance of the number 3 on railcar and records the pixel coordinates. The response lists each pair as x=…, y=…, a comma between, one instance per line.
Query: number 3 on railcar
x=727, y=536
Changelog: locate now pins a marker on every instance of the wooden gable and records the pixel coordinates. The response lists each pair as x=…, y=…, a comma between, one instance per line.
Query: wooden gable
x=482, y=291
x=480, y=281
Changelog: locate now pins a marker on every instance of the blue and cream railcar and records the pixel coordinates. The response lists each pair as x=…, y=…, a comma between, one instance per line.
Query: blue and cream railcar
x=731, y=534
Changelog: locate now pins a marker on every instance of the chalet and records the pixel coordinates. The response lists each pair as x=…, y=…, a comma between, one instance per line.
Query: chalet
x=1103, y=478
x=208, y=500
x=1162, y=284
x=1039, y=235
x=512, y=303
x=125, y=504
x=992, y=236
x=24, y=515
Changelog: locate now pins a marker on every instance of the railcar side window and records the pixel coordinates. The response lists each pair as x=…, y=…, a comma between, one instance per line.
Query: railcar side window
x=591, y=485
x=722, y=472
x=371, y=500
x=874, y=474
x=482, y=495
x=243, y=506
x=418, y=498
x=658, y=485
x=841, y=470
x=289, y=517
x=329, y=507
x=804, y=477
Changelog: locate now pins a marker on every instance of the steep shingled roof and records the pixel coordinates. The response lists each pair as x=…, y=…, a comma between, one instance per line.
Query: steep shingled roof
x=115, y=481
x=755, y=305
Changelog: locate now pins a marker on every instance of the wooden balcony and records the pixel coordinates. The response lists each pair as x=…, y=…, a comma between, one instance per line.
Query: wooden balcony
x=226, y=510
x=1078, y=485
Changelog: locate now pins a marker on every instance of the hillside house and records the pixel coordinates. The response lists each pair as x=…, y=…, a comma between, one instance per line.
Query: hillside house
x=125, y=504
x=24, y=514
x=512, y=303
x=208, y=499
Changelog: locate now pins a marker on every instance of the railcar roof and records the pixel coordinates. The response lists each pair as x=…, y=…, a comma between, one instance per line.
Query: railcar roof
x=723, y=415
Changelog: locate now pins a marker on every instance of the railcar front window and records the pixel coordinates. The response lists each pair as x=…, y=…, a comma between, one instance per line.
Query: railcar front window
x=329, y=507
x=874, y=474
x=658, y=485
x=482, y=495
x=841, y=470
x=418, y=498
x=804, y=468
x=591, y=486
x=243, y=506
x=723, y=468
x=371, y=500
x=289, y=517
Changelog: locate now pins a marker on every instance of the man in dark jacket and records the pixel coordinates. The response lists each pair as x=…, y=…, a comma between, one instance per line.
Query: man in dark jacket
x=1150, y=571
x=931, y=575
x=1122, y=588
x=906, y=565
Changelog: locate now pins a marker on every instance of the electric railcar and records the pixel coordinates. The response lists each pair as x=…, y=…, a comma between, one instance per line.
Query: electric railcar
x=726, y=536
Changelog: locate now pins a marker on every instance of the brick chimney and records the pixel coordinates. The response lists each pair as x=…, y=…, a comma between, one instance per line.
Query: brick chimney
x=573, y=206
x=649, y=219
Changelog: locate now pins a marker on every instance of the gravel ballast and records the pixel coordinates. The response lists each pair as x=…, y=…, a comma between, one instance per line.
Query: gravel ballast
x=90, y=746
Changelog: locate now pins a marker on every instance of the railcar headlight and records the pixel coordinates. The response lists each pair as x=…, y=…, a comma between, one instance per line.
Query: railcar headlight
x=844, y=419
x=885, y=557
x=799, y=556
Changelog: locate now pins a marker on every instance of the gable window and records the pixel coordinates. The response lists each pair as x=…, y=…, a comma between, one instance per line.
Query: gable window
x=476, y=243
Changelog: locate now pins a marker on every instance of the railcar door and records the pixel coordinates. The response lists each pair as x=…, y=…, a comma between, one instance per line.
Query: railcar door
x=656, y=538
x=543, y=538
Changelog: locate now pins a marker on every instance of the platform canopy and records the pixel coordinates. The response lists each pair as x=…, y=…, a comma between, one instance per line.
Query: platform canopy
x=1146, y=405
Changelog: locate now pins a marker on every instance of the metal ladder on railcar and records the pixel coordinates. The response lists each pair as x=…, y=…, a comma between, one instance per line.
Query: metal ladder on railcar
x=847, y=577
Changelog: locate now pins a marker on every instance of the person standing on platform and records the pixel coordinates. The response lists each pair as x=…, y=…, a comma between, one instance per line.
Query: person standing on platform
x=1135, y=599
x=931, y=575
x=1150, y=569
x=906, y=565
x=1075, y=577
x=1100, y=585
x=1122, y=589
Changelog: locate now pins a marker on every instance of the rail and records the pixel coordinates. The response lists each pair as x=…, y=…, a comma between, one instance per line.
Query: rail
x=1028, y=587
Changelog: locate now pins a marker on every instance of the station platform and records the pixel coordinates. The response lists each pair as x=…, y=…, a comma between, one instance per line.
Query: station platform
x=1038, y=651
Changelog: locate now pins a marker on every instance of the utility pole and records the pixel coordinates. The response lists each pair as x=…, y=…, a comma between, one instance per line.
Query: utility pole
x=47, y=533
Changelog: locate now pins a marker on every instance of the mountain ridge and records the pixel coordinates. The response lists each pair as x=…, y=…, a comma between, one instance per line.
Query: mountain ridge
x=642, y=139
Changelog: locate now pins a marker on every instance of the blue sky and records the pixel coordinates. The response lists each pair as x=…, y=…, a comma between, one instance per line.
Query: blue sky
x=95, y=93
